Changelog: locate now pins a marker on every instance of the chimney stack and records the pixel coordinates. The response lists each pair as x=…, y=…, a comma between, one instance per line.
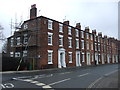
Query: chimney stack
x=100, y=34
x=66, y=22
x=94, y=31
x=105, y=36
x=78, y=26
x=33, y=11
x=87, y=29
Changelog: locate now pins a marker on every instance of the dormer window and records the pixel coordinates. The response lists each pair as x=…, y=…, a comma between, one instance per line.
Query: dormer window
x=25, y=26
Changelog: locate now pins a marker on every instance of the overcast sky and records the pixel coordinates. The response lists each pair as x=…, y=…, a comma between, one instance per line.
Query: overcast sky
x=101, y=15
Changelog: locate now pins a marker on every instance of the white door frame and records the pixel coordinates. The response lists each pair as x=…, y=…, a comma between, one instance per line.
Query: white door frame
x=88, y=59
x=108, y=58
x=113, y=59
x=116, y=58
x=96, y=58
x=78, y=63
x=61, y=61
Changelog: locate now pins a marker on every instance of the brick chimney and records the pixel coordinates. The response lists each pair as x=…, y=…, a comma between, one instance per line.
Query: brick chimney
x=66, y=22
x=78, y=26
x=94, y=31
x=100, y=34
x=105, y=36
x=87, y=29
x=33, y=11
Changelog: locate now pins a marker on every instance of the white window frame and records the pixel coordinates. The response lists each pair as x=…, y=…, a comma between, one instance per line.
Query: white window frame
x=95, y=38
x=25, y=41
x=25, y=53
x=17, y=54
x=82, y=34
x=98, y=39
x=77, y=43
x=61, y=40
x=70, y=42
x=69, y=31
x=18, y=40
x=82, y=43
x=11, y=54
x=60, y=27
x=87, y=35
x=50, y=24
x=77, y=32
x=83, y=57
x=70, y=57
x=87, y=45
x=91, y=37
x=98, y=47
x=51, y=56
x=95, y=46
x=25, y=26
x=51, y=41
x=12, y=42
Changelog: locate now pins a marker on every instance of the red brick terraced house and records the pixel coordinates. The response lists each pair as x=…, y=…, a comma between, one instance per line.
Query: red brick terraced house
x=42, y=42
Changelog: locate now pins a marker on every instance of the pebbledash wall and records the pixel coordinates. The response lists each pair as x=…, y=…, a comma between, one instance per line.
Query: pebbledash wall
x=42, y=42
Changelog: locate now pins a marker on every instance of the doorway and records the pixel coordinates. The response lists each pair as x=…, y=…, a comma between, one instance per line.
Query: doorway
x=78, y=63
x=61, y=58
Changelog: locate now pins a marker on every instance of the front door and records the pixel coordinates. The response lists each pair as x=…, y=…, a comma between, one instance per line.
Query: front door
x=78, y=63
x=61, y=58
x=108, y=58
x=96, y=58
x=88, y=59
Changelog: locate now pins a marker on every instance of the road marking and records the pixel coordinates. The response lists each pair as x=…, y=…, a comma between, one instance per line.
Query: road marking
x=60, y=81
x=28, y=80
x=2, y=85
x=24, y=77
x=92, y=84
x=65, y=72
x=111, y=73
x=40, y=84
x=83, y=75
x=35, y=82
x=46, y=86
x=7, y=85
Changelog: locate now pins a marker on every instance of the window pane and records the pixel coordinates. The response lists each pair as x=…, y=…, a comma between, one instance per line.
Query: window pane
x=60, y=28
x=69, y=30
x=50, y=24
x=50, y=57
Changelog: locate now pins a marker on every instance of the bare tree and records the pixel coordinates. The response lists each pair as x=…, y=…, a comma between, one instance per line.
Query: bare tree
x=4, y=47
x=3, y=44
x=2, y=37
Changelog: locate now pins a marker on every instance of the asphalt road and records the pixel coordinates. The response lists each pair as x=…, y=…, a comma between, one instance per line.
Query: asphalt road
x=102, y=76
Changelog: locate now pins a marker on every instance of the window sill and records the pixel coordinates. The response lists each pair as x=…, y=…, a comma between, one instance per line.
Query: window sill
x=60, y=45
x=50, y=29
x=70, y=61
x=50, y=44
x=69, y=47
x=50, y=63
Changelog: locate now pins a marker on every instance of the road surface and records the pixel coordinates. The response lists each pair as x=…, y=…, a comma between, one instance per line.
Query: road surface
x=102, y=76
